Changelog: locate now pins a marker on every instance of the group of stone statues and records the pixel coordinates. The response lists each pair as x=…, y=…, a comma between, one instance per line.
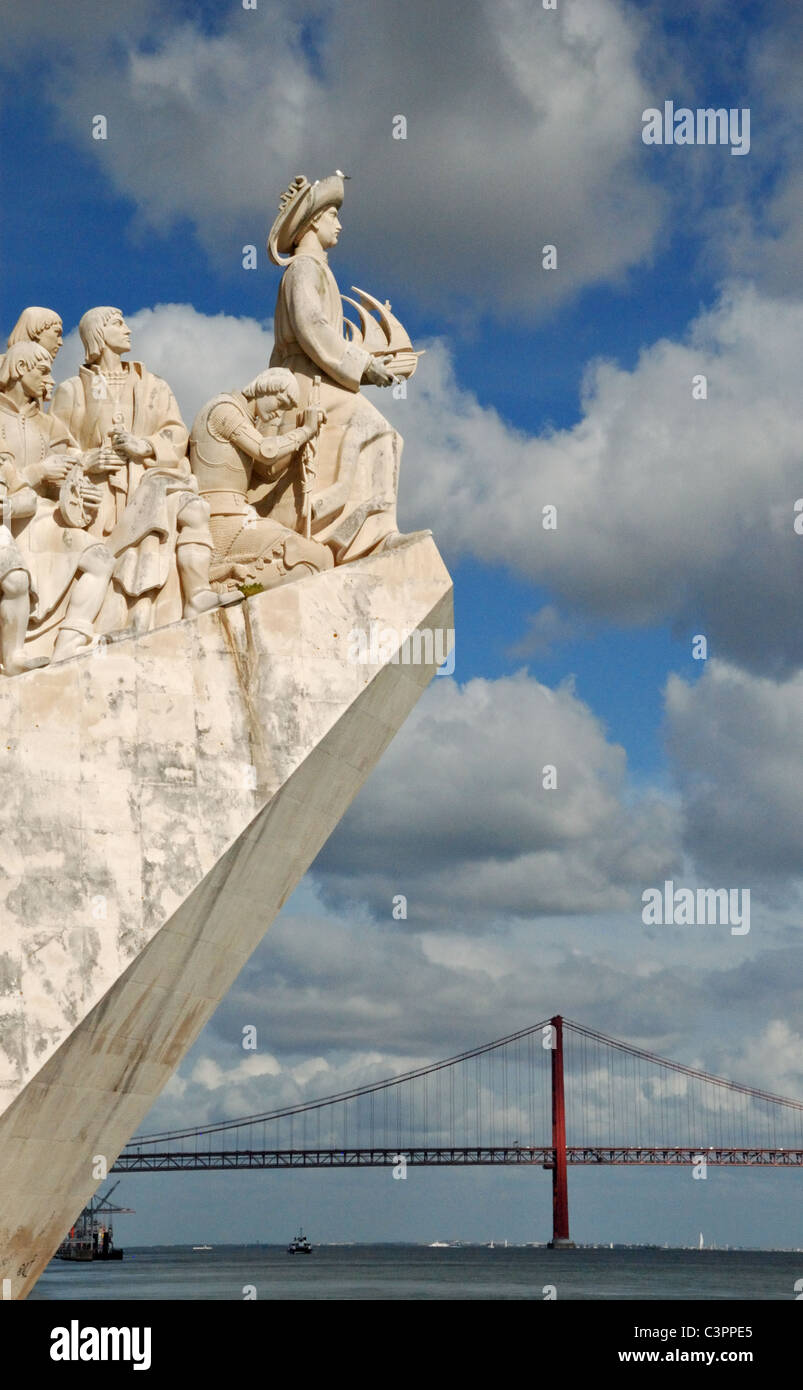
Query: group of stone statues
x=116, y=518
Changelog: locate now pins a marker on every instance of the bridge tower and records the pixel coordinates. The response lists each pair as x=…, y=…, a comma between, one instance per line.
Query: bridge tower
x=560, y=1189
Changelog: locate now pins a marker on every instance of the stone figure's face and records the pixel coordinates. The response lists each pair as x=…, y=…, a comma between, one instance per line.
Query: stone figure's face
x=37, y=383
x=270, y=406
x=265, y=407
x=329, y=228
x=51, y=338
x=117, y=334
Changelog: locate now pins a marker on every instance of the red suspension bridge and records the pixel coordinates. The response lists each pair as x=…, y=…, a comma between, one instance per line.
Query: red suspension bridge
x=517, y=1100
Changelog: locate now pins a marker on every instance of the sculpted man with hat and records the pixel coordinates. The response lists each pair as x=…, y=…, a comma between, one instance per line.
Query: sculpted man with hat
x=358, y=452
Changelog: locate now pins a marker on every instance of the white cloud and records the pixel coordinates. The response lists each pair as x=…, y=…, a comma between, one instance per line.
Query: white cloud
x=523, y=129
x=546, y=629
x=769, y=1059
x=762, y=231
x=670, y=509
x=462, y=784
x=736, y=740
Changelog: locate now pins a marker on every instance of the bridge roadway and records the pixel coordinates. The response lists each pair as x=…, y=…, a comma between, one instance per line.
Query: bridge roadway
x=160, y=1161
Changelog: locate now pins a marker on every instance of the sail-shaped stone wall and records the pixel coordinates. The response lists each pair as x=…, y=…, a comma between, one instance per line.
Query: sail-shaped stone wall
x=161, y=798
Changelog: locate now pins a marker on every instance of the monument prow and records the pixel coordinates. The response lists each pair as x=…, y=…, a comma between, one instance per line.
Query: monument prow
x=163, y=796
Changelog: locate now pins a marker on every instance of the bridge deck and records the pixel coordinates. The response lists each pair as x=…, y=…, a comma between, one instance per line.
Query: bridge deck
x=157, y=1161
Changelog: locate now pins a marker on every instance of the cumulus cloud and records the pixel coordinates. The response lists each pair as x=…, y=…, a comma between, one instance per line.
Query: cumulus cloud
x=546, y=630
x=463, y=784
x=762, y=231
x=736, y=740
x=769, y=1057
x=670, y=509
x=208, y=121
x=507, y=106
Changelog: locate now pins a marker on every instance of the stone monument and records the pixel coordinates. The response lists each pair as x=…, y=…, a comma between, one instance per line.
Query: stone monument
x=188, y=730
x=358, y=455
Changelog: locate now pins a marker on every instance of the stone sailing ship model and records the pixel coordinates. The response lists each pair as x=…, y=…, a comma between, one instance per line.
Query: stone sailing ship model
x=184, y=722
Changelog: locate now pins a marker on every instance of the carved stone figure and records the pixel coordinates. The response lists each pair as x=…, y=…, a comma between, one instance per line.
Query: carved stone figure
x=128, y=424
x=17, y=500
x=38, y=325
x=69, y=569
x=358, y=454
x=229, y=449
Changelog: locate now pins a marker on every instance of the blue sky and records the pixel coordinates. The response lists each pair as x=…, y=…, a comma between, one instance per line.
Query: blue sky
x=570, y=387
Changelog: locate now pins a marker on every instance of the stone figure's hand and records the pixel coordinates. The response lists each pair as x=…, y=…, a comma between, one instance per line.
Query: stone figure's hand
x=54, y=468
x=403, y=364
x=102, y=461
x=376, y=374
x=313, y=418
x=131, y=446
x=91, y=496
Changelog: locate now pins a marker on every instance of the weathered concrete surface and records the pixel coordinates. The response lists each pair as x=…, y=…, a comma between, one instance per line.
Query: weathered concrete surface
x=182, y=784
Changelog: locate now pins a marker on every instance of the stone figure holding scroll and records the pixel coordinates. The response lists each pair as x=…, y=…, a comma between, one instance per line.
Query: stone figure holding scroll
x=151, y=517
x=358, y=451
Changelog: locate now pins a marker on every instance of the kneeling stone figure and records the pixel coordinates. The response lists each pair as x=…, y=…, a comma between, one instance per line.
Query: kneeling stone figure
x=227, y=447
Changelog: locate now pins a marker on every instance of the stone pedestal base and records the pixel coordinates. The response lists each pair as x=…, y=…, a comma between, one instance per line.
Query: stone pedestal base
x=159, y=804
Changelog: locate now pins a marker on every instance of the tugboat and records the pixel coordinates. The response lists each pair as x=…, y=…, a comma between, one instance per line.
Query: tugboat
x=299, y=1245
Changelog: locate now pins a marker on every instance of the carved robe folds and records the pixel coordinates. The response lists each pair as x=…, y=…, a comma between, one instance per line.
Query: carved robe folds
x=138, y=517
x=50, y=548
x=21, y=502
x=358, y=453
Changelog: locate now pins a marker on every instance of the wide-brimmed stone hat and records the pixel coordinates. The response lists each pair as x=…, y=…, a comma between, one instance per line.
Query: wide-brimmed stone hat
x=297, y=206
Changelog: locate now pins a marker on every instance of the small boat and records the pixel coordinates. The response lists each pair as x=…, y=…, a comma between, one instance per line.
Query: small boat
x=299, y=1245
x=439, y=1245
x=202, y=1247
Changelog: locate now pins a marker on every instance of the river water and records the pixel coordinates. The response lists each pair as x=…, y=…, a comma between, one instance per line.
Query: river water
x=409, y=1272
